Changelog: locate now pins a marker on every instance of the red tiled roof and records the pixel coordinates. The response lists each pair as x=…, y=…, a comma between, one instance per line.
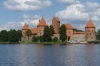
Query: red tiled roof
x=34, y=30
x=42, y=22
x=25, y=27
x=69, y=26
x=90, y=24
x=57, y=19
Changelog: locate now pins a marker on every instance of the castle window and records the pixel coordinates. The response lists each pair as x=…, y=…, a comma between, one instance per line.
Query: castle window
x=90, y=33
x=40, y=33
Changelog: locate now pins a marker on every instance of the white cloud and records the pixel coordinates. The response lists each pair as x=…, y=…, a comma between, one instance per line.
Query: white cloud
x=80, y=13
x=31, y=20
x=68, y=2
x=73, y=12
x=21, y=5
x=92, y=5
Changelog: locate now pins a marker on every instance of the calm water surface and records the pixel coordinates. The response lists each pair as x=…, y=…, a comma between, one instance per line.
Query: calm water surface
x=49, y=55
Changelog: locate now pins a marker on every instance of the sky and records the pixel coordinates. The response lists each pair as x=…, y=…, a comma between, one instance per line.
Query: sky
x=15, y=13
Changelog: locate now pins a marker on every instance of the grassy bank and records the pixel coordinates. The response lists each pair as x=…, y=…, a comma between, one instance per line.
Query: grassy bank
x=45, y=42
x=4, y=42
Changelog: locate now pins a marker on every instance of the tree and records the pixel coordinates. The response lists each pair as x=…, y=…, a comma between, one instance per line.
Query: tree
x=12, y=36
x=47, y=34
x=62, y=32
x=35, y=38
x=3, y=36
x=55, y=39
x=98, y=34
x=28, y=33
x=51, y=30
x=19, y=32
x=41, y=38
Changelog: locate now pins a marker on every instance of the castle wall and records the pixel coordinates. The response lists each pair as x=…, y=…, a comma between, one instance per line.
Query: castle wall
x=69, y=33
x=23, y=33
x=56, y=26
x=56, y=35
x=40, y=31
x=78, y=37
x=90, y=34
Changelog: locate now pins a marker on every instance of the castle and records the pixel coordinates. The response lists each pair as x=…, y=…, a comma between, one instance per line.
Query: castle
x=72, y=35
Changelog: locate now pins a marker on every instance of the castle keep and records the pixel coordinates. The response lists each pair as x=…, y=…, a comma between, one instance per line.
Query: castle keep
x=72, y=35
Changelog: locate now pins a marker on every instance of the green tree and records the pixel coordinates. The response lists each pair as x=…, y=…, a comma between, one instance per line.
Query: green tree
x=4, y=36
x=62, y=32
x=28, y=33
x=51, y=30
x=19, y=32
x=12, y=36
x=35, y=38
x=47, y=34
x=41, y=38
x=55, y=39
x=98, y=34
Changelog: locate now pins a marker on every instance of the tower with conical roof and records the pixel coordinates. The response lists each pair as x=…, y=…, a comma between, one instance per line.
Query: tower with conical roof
x=56, y=24
x=40, y=27
x=69, y=31
x=90, y=31
x=24, y=29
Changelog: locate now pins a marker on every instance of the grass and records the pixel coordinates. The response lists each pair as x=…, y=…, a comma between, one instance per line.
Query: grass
x=4, y=42
x=30, y=42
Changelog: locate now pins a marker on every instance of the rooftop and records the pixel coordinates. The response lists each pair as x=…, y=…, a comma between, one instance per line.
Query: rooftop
x=90, y=24
x=42, y=22
x=25, y=27
x=69, y=26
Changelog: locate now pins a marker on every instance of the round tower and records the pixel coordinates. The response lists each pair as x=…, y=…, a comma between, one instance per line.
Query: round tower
x=40, y=27
x=90, y=31
x=24, y=29
x=56, y=24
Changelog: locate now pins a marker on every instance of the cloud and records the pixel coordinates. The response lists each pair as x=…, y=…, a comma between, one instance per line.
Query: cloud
x=29, y=19
x=68, y=2
x=73, y=12
x=80, y=13
x=22, y=5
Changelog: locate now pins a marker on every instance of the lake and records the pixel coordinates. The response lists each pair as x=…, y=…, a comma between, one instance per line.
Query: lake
x=49, y=55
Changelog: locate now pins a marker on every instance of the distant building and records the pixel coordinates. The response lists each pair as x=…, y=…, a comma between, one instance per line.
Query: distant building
x=72, y=35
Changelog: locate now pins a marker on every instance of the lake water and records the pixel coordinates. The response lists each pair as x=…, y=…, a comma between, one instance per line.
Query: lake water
x=49, y=55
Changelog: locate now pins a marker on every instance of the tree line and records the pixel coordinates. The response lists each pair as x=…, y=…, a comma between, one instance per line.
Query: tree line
x=10, y=36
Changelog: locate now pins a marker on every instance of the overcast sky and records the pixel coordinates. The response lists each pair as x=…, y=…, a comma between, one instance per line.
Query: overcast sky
x=14, y=13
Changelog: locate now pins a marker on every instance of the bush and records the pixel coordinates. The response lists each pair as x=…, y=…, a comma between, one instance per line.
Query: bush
x=41, y=39
x=55, y=39
x=35, y=39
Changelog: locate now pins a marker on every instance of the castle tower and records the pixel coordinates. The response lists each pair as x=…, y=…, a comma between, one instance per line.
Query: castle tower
x=56, y=24
x=90, y=31
x=69, y=31
x=40, y=27
x=24, y=29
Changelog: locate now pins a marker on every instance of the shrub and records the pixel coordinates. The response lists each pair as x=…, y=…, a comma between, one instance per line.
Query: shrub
x=55, y=39
x=41, y=38
x=35, y=39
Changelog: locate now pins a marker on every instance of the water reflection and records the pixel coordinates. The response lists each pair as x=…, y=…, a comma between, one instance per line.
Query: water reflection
x=50, y=55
